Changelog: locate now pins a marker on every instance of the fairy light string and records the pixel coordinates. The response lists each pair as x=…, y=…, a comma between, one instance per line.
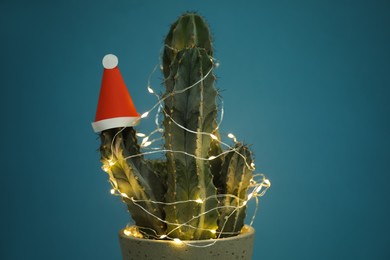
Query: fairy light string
x=257, y=187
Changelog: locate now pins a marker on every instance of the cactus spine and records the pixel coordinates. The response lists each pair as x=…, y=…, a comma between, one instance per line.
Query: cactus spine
x=197, y=197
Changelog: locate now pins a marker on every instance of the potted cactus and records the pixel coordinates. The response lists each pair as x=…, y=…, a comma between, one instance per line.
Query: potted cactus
x=196, y=197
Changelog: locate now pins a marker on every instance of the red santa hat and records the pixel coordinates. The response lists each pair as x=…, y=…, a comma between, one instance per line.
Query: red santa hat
x=115, y=107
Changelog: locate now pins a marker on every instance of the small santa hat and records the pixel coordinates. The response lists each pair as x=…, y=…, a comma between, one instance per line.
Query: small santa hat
x=115, y=107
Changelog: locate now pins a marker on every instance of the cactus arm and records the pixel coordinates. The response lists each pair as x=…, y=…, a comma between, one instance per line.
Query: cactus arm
x=126, y=177
x=237, y=176
x=151, y=173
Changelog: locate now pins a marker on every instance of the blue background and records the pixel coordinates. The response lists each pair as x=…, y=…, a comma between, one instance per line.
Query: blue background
x=306, y=82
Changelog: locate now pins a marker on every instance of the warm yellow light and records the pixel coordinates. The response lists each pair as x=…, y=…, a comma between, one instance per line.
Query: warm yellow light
x=213, y=231
x=212, y=157
x=163, y=236
x=110, y=162
x=267, y=182
x=124, y=195
x=244, y=203
x=250, y=196
x=177, y=241
x=232, y=136
x=253, y=165
x=112, y=191
x=105, y=168
x=144, y=114
x=132, y=231
x=200, y=201
x=213, y=137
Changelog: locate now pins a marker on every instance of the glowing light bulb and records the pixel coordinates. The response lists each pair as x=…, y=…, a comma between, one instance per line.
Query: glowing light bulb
x=112, y=191
x=213, y=137
x=110, y=162
x=212, y=157
x=230, y=135
x=144, y=114
x=105, y=168
x=177, y=240
x=124, y=195
x=163, y=236
x=252, y=164
x=140, y=134
x=151, y=91
x=132, y=231
x=199, y=200
x=213, y=231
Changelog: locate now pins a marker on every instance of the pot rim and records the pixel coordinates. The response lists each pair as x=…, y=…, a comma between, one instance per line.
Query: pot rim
x=246, y=231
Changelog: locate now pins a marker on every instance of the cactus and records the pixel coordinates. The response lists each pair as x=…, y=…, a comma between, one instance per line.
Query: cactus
x=235, y=179
x=134, y=178
x=199, y=191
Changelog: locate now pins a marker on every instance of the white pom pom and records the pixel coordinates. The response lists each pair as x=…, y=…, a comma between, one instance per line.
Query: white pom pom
x=110, y=61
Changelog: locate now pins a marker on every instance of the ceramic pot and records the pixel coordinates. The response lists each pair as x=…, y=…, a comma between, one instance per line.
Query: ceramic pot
x=237, y=247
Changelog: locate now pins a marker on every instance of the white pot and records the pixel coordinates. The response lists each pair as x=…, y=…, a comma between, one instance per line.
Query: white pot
x=237, y=247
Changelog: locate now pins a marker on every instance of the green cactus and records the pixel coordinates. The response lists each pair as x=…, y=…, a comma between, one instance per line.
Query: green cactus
x=199, y=191
x=134, y=177
x=235, y=178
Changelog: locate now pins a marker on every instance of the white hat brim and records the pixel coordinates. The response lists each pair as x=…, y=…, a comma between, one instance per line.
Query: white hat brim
x=115, y=122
